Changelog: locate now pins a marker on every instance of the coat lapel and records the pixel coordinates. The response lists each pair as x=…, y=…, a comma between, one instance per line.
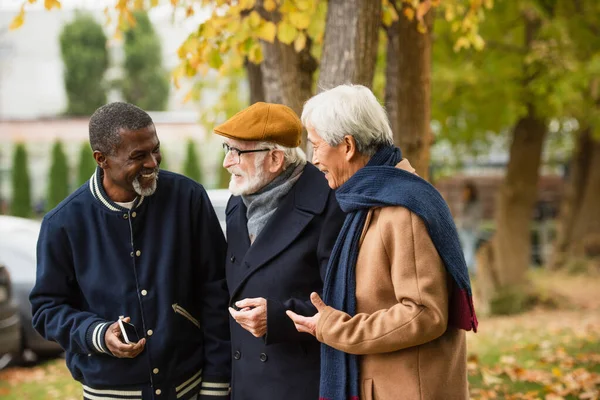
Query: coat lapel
x=294, y=213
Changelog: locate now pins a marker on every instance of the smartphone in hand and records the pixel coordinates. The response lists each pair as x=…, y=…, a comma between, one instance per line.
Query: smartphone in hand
x=128, y=332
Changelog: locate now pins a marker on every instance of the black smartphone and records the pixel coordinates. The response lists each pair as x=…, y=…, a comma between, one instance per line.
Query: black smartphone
x=128, y=332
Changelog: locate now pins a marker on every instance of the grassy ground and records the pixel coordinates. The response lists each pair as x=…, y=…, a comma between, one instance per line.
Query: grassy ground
x=543, y=354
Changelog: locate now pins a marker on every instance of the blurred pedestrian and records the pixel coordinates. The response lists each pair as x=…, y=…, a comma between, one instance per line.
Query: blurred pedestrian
x=469, y=223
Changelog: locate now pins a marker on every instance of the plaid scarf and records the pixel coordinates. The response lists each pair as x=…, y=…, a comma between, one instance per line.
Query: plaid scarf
x=380, y=184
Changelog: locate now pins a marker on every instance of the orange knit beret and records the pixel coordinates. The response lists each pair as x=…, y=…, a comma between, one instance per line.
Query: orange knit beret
x=264, y=122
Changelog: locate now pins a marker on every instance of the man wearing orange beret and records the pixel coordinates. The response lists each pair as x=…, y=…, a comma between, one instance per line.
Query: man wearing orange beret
x=282, y=222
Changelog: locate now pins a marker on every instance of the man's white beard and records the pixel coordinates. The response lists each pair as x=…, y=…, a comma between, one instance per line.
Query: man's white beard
x=145, y=191
x=251, y=185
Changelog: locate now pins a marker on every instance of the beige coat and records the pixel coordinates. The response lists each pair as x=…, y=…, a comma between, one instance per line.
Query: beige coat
x=400, y=329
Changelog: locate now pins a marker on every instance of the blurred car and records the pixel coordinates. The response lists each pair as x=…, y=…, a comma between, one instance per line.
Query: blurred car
x=18, y=239
x=10, y=323
x=219, y=198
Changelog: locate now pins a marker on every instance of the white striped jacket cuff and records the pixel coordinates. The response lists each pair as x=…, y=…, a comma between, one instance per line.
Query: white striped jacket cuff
x=95, y=337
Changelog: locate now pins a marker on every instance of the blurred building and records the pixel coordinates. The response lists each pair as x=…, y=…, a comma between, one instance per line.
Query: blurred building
x=173, y=128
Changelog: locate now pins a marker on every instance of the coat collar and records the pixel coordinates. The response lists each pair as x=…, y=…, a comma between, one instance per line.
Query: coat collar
x=99, y=193
x=294, y=213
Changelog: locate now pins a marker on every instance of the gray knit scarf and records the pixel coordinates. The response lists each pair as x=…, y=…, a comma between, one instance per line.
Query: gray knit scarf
x=262, y=204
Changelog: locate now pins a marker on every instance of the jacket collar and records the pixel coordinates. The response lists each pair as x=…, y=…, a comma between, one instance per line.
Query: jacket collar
x=99, y=193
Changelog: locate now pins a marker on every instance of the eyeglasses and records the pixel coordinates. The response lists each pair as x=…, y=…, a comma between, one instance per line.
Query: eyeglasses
x=236, y=153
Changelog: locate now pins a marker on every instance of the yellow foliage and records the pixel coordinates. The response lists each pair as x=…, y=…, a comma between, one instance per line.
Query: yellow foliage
x=267, y=31
x=388, y=13
x=17, y=20
x=189, y=11
x=254, y=19
x=270, y=5
x=50, y=4
x=462, y=42
x=300, y=20
x=409, y=13
x=300, y=43
x=255, y=54
x=422, y=9
x=247, y=4
x=421, y=27
x=286, y=32
x=305, y=5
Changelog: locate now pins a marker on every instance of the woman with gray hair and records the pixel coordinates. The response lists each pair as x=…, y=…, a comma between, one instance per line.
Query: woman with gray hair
x=396, y=288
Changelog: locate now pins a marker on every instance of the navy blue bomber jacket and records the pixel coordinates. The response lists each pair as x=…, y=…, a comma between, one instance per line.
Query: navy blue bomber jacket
x=162, y=264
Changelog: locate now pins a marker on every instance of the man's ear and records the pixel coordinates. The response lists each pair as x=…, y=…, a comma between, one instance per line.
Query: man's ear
x=101, y=159
x=277, y=160
x=349, y=145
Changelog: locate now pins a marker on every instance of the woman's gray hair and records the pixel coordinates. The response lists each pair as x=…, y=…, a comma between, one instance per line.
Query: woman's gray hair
x=291, y=155
x=349, y=110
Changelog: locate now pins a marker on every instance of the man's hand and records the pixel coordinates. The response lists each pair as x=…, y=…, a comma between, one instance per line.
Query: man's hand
x=252, y=315
x=308, y=324
x=117, y=347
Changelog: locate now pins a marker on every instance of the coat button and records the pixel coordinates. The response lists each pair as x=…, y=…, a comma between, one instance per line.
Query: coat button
x=144, y=292
x=232, y=259
x=133, y=214
x=263, y=357
x=138, y=253
x=237, y=355
x=150, y=332
x=155, y=371
x=125, y=216
x=158, y=392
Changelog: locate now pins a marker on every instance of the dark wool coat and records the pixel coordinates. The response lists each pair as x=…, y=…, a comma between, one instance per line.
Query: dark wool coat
x=284, y=265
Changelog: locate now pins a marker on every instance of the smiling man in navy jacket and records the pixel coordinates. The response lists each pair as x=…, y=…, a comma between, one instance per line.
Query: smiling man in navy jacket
x=141, y=244
x=282, y=223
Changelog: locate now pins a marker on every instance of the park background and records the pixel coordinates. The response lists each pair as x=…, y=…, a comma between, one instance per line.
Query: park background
x=503, y=94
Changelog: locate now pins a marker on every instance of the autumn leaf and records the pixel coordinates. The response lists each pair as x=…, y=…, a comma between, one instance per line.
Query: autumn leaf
x=255, y=54
x=300, y=43
x=269, y=5
x=300, y=20
x=50, y=4
x=18, y=20
x=388, y=14
x=267, y=31
x=254, y=19
x=409, y=13
x=422, y=9
x=286, y=33
x=304, y=4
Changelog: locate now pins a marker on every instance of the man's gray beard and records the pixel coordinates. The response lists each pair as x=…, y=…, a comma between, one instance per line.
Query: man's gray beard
x=253, y=185
x=148, y=191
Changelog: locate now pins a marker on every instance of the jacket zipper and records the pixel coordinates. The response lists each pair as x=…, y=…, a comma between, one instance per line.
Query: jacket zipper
x=182, y=311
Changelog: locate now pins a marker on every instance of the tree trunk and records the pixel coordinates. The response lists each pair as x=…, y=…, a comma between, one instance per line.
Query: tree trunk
x=255, y=82
x=288, y=75
x=571, y=202
x=408, y=89
x=586, y=229
x=351, y=39
x=517, y=197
